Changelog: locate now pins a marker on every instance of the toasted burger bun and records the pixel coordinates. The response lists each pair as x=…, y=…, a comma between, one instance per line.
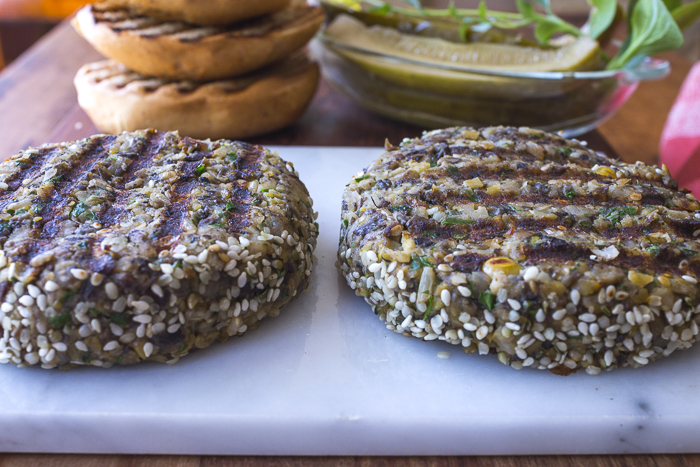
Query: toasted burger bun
x=204, y=13
x=117, y=99
x=180, y=51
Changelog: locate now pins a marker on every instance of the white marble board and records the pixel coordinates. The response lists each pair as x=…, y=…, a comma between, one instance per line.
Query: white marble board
x=326, y=377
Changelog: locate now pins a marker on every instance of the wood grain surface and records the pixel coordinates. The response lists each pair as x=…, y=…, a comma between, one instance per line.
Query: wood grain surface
x=50, y=460
x=38, y=105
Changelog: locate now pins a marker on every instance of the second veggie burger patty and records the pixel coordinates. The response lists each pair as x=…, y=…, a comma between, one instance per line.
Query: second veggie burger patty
x=524, y=244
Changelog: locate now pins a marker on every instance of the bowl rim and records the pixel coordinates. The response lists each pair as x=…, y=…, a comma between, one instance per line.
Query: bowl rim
x=641, y=68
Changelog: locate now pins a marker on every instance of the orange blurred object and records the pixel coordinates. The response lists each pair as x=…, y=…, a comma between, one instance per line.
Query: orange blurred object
x=41, y=9
x=61, y=8
x=35, y=11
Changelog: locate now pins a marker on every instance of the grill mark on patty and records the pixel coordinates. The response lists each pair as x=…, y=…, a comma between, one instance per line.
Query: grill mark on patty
x=141, y=158
x=81, y=166
x=27, y=171
x=247, y=165
x=484, y=229
x=509, y=214
x=558, y=165
x=44, y=231
x=138, y=160
x=599, y=199
x=15, y=181
x=497, y=203
x=562, y=173
x=586, y=159
x=560, y=251
x=170, y=224
x=239, y=218
x=427, y=232
x=555, y=250
x=468, y=262
x=648, y=197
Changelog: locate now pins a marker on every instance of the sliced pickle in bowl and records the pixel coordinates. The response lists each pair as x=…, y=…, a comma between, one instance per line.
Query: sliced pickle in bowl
x=572, y=110
x=436, y=65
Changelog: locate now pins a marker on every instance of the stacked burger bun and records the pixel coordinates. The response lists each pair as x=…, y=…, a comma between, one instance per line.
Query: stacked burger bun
x=214, y=69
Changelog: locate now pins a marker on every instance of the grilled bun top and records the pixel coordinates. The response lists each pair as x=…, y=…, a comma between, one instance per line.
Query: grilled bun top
x=204, y=13
x=183, y=51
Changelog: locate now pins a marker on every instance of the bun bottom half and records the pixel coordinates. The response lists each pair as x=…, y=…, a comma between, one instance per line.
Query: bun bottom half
x=117, y=100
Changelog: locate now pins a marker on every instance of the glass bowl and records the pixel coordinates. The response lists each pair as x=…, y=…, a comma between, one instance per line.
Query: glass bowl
x=438, y=96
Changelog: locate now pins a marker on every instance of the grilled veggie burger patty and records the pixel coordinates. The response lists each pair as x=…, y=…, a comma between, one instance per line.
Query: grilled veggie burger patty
x=527, y=245
x=145, y=246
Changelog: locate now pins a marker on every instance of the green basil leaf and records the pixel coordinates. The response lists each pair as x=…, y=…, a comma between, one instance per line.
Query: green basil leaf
x=118, y=319
x=628, y=38
x=58, y=321
x=452, y=11
x=652, y=30
x=487, y=299
x=381, y=10
x=544, y=30
x=545, y=25
x=463, y=34
x=483, y=10
x=429, y=308
x=526, y=9
x=418, y=262
x=230, y=206
x=686, y=15
x=602, y=16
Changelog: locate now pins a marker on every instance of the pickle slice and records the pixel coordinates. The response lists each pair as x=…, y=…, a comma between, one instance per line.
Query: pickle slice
x=438, y=66
x=580, y=54
x=443, y=27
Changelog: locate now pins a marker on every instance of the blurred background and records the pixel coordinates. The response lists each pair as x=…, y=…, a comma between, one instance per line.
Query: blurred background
x=23, y=22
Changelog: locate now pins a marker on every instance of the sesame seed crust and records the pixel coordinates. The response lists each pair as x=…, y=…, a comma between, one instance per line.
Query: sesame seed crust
x=145, y=246
x=520, y=243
